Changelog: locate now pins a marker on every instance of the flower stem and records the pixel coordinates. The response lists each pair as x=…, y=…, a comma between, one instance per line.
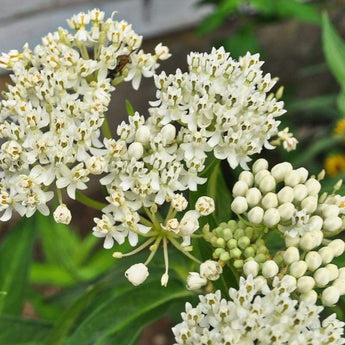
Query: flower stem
x=97, y=205
x=180, y=248
x=140, y=248
x=156, y=244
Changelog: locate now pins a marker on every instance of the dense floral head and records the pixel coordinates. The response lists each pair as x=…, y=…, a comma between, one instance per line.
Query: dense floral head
x=257, y=314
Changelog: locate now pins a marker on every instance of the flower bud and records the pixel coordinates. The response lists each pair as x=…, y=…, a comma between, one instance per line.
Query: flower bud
x=309, y=204
x=253, y=196
x=307, y=242
x=315, y=224
x=337, y=246
x=309, y=297
x=313, y=186
x=269, y=201
x=298, y=268
x=280, y=170
x=172, y=225
x=143, y=135
x=291, y=255
x=239, y=205
x=291, y=241
x=168, y=133
x=137, y=274
x=303, y=174
x=247, y=177
x=256, y=215
x=292, y=178
x=342, y=272
x=240, y=188
x=117, y=255
x=332, y=224
x=179, y=202
x=260, y=175
x=333, y=271
x=164, y=279
x=271, y=217
x=305, y=284
x=313, y=260
x=321, y=277
x=210, y=270
x=330, y=211
x=330, y=296
x=300, y=192
x=340, y=284
x=205, y=205
x=270, y=269
x=326, y=254
x=135, y=150
x=96, y=165
x=267, y=184
x=286, y=194
x=189, y=223
x=286, y=211
x=251, y=267
x=195, y=281
x=62, y=214
x=259, y=164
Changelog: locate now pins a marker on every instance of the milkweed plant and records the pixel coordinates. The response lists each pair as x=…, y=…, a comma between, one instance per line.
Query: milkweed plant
x=156, y=172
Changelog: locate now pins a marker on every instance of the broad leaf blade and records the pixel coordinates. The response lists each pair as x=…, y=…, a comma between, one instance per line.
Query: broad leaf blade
x=334, y=50
x=15, y=261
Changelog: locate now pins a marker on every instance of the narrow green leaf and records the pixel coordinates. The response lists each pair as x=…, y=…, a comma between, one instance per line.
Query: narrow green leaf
x=334, y=50
x=129, y=108
x=341, y=101
x=15, y=261
x=112, y=316
x=15, y=331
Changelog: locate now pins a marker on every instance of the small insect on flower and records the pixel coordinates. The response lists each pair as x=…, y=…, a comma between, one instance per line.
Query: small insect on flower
x=122, y=61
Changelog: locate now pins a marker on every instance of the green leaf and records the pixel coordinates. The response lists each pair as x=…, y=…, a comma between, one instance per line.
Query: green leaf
x=129, y=108
x=119, y=312
x=15, y=331
x=217, y=18
x=15, y=261
x=341, y=102
x=334, y=50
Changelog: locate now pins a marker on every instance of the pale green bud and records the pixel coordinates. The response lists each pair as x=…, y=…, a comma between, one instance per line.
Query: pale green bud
x=247, y=177
x=330, y=296
x=298, y=268
x=305, y=284
x=313, y=260
x=253, y=196
x=332, y=224
x=291, y=255
x=267, y=184
x=285, y=195
x=259, y=164
x=239, y=205
x=270, y=200
x=251, y=268
x=286, y=211
x=280, y=170
x=256, y=215
x=270, y=269
x=321, y=277
x=271, y=217
x=240, y=188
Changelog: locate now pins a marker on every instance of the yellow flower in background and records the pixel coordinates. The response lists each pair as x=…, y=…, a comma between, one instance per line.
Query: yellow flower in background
x=335, y=164
x=340, y=127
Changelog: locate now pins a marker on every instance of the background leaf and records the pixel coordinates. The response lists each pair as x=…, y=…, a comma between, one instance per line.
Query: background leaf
x=15, y=260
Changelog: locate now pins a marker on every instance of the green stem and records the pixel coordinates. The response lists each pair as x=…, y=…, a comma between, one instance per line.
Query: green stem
x=180, y=248
x=153, y=219
x=97, y=205
x=156, y=244
x=145, y=221
x=59, y=195
x=171, y=214
x=140, y=248
x=106, y=128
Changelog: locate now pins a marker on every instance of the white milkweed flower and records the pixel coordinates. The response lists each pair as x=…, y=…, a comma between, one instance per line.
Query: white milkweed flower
x=211, y=270
x=205, y=205
x=257, y=314
x=195, y=281
x=179, y=202
x=137, y=274
x=62, y=214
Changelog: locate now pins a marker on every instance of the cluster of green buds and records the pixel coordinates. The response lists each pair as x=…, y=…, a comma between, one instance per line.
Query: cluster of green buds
x=237, y=243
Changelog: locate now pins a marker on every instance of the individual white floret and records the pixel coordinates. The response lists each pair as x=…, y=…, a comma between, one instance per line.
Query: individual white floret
x=211, y=270
x=251, y=267
x=291, y=255
x=247, y=177
x=292, y=178
x=300, y=192
x=239, y=205
x=179, y=202
x=256, y=215
x=195, y=281
x=62, y=214
x=309, y=297
x=330, y=296
x=313, y=260
x=271, y=217
x=279, y=171
x=286, y=211
x=253, y=196
x=270, y=269
x=205, y=205
x=309, y=204
x=137, y=274
x=322, y=277
x=135, y=150
x=269, y=200
x=298, y=268
x=285, y=195
x=313, y=186
x=240, y=188
x=332, y=224
x=260, y=175
x=305, y=284
x=267, y=184
x=259, y=164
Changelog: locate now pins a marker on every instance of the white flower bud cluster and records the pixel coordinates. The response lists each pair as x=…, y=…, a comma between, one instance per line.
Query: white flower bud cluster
x=209, y=270
x=224, y=104
x=285, y=198
x=52, y=114
x=257, y=314
x=316, y=271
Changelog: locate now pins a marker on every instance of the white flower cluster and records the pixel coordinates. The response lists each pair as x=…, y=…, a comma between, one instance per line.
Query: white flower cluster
x=52, y=114
x=222, y=104
x=257, y=314
x=148, y=166
x=285, y=198
x=209, y=270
